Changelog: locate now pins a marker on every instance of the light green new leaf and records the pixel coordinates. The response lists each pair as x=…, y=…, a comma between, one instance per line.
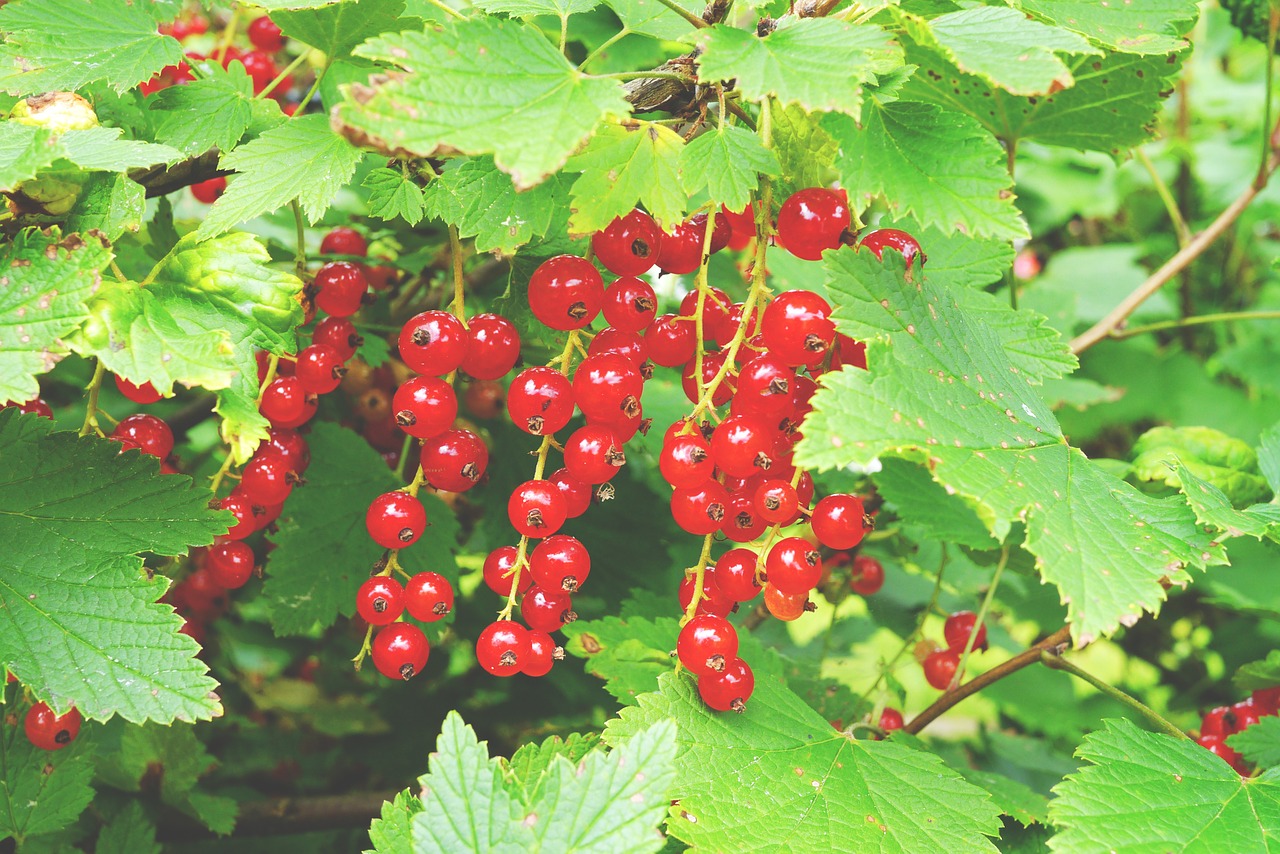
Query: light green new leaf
x=392, y=831
x=1213, y=508
x=1160, y=793
x=57, y=45
x=128, y=832
x=79, y=623
x=302, y=160
x=94, y=149
x=1259, y=674
x=937, y=166
x=824, y=791
x=1003, y=47
x=336, y=29
x=531, y=761
x=24, y=151
x=42, y=791
x=212, y=112
x=481, y=201
x=482, y=86
x=948, y=388
x=1260, y=743
x=805, y=151
x=528, y=8
x=392, y=194
x=49, y=278
x=727, y=162
x=1269, y=457
x=623, y=166
x=818, y=63
x=1224, y=461
x=1134, y=26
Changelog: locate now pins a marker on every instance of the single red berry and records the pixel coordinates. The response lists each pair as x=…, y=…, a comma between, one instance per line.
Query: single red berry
x=49, y=731
x=812, y=220
x=629, y=245
x=706, y=644
x=400, y=651
x=36, y=406
x=395, y=520
x=380, y=600
x=260, y=68
x=716, y=310
x=868, y=575
x=940, y=668
x=433, y=343
x=536, y=508
x=890, y=238
x=319, y=369
x=577, y=495
x=1218, y=722
x=147, y=433
x=685, y=460
x=494, y=348
x=959, y=626
x=1246, y=715
x=785, y=606
x=342, y=287
x=742, y=226
x=736, y=575
x=729, y=689
x=342, y=240
x=455, y=460
x=484, y=399
x=566, y=293
x=741, y=445
x=145, y=393
x=540, y=401
x=502, y=647
x=616, y=342
x=497, y=571
x=742, y=523
x=793, y=566
x=711, y=365
x=230, y=563
x=681, y=249
x=700, y=509
x=339, y=335
x=776, y=501
x=593, y=454
x=607, y=386
x=265, y=35
x=425, y=407
x=543, y=653
x=428, y=596
x=209, y=191
x=839, y=521
x=289, y=444
x=267, y=478
x=766, y=385
x=711, y=601
x=670, y=341
x=546, y=610
x=630, y=304
x=1267, y=700
x=1219, y=748
x=891, y=719
x=284, y=401
x=560, y=562
x=797, y=327
x=246, y=514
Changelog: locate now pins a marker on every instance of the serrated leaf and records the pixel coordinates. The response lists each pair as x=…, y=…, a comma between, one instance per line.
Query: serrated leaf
x=1260, y=743
x=323, y=553
x=805, y=151
x=24, y=151
x=42, y=791
x=536, y=110
x=818, y=63
x=1259, y=674
x=1269, y=457
x=623, y=166
x=1012, y=797
x=1135, y=26
x=212, y=112
x=958, y=260
x=392, y=831
x=727, y=163
x=1224, y=461
x=48, y=279
x=654, y=19
x=1003, y=47
x=529, y=764
x=336, y=28
x=921, y=501
x=1213, y=508
x=392, y=194
x=628, y=654
x=128, y=832
x=482, y=202
x=1162, y=794
x=79, y=623
x=824, y=791
x=937, y=166
x=528, y=8
x=109, y=203
x=943, y=390
x=301, y=160
x=102, y=149
x=114, y=40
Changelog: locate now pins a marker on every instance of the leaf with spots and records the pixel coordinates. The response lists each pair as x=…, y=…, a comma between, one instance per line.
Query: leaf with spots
x=950, y=389
x=1134, y=26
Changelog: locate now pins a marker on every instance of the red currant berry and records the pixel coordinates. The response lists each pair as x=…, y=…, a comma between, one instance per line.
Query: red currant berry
x=615, y=342
x=785, y=606
x=145, y=393
x=606, y=386
x=428, y=596
x=319, y=369
x=339, y=335
x=289, y=444
x=267, y=478
x=497, y=571
x=706, y=644
x=284, y=401
x=812, y=220
x=593, y=454
x=630, y=304
x=395, y=520
x=536, y=508
x=380, y=600
x=765, y=388
x=838, y=521
x=546, y=610
x=793, y=566
x=868, y=575
x=229, y=563
x=717, y=313
x=890, y=238
x=670, y=341
x=741, y=446
x=741, y=522
x=797, y=327
x=940, y=668
x=700, y=509
x=36, y=406
x=685, y=460
x=246, y=515
x=484, y=399
x=265, y=35
x=729, y=689
x=208, y=192
x=711, y=365
x=433, y=343
x=681, y=250
x=711, y=601
x=400, y=651
x=629, y=245
x=543, y=653
x=736, y=575
x=1218, y=722
x=1246, y=715
x=577, y=495
x=343, y=240
x=425, y=407
x=1267, y=700
x=260, y=68
x=503, y=647
x=959, y=626
x=494, y=348
x=560, y=563
x=147, y=433
x=455, y=460
x=742, y=226
x=342, y=288
x=566, y=293
x=776, y=501
x=891, y=719
x=49, y=731
x=540, y=401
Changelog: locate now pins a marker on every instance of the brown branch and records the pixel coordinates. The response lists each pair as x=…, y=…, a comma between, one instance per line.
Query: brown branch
x=279, y=816
x=962, y=692
x=160, y=180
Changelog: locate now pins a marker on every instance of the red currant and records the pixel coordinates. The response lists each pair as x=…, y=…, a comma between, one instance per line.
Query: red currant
x=741, y=446
x=577, y=495
x=793, y=566
x=959, y=626
x=891, y=719
x=342, y=288
x=36, y=406
x=245, y=512
x=1215, y=745
x=711, y=365
x=615, y=342
x=766, y=386
x=265, y=35
x=741, y=522
x=145, y=393
x=400, y=651
x=49, y=731
x=560, y=562
x=685, y=460
x=497, y=567
x=742, y=226
x=289, y=444
x=630, y=304
x=776, y=501
x=341, y=240
x=736, y=575
x=433, y=343
x=543, y=653
x=593, y=454
x=706, y=644
x=396, y=520
x=147, y=433
x=494, y=348
x=813, y=220
x=536, y=508
x=1246, y=714
x=605, y=386
x=546, y=610
x=890, y=238
x=284, y=401
x=566, y=293
x=868, y=575
x=785, y=606
x=940, y=668
x=339, y=335
x=797, y=327
x=428, y=596
x=700, y=509
x=1218, y=722
x=484, y=399
x=260, y=68
x=540, y=401
x=229, y=563
x=1267, y=700
x=319, y=369
x=380, y=600
x=670, y=341
x=425, y=407
x=209, y=191
x=711, y=601
x=455, y=460
x=838, y=521
x=629, y=245
x=681, y=250
x=728, y=689
x=267, y=478
x=503, y=647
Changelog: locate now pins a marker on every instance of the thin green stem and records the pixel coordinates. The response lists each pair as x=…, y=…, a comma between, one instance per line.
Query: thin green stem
x=300, y=236
x=459, y=278
x=564, y=33
x=1057, y=662
x=91, y=410
x=1166, y=198
x=1198, y=320
x=289, y=69
x=684, y=13
x=605, y=45
x=229, y=35
x=915, y=634
x=315, y=87
x=448, y=10
x=982, y=613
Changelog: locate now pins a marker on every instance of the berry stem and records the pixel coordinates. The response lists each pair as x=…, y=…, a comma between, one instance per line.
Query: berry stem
x=459, y=279
x=364, y=648
x=448, y=10
x=1055, y=661
x=315, y=87
x=982, y=613
x=289, y=69
x=699, y=575
x=91, y=410
x=300, y=254
x=229, y=35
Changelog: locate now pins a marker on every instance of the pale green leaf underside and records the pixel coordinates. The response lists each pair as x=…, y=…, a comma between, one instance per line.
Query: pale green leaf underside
x=1134, y=26
x=623, y=166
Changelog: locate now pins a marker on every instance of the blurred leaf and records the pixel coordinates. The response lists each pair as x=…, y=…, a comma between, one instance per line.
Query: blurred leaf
x=1226, y=463
x=1260, y=743
x=128, y=832
x=1259, y=674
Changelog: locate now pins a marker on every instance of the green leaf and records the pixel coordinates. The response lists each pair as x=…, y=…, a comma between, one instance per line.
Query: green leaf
x=1227, y=463
x=938, y=166
x=42, y=791
x=1003, y=47
x=1163, y=793
x=109, y=203
x=72, y=578
x=302, y=160
x=24, y=151
x=392, y=194
x=529, y=8
x=824, y=791
x=947, y=390
x=335, y=29
x=392, y=831
x=1259, y=674
x=1136, y=26
x=531, y=761
x=1213, y=508
x=212, y=112
x=1260, y=743
x=536, y=110
x=623, y=166
x=818, y=63
x=482, y=202
x=921, y=501
x=1269, y=457
x=49, y=278
x=53, y=45
x=804, y=150
x=956, y=260
x=128, y=832
x=628, y=654
x=322, y=551
x=727, y=163
x=652, y=18
x=102, y=149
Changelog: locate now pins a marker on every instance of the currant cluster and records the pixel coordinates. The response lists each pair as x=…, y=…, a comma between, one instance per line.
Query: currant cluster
x=1223, y=721
x=941, y=664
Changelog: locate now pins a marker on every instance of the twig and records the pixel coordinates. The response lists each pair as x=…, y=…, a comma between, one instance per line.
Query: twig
x=1057, y=662
x=1166, y=197
x=1198, y=320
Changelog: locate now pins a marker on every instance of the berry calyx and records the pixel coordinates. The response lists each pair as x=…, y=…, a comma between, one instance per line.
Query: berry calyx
x=629, y=245
x=428, y=596
x=707, y=643
x=400, y=651
x=812, y=220
x=380, y=600
x=396, y=520
x=729, y=689
x=49, y=731
x=503, y=647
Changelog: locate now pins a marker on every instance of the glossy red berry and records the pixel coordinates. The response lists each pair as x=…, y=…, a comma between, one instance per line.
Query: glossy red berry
x=577, y=495
x=566, y=292
x=246, y=515
x=36, y=406
x=425, y=406
x=742, y=445
x=497, y=571
x=629, y=245
x=839, y=521
x=593, y=454
x=711, y=365
x=260, y=68
x=670, y=341
x=341, y=240
x=711, y=601
x=959, y=626
x=742, y=226
x=611, y=341
x=540, y=401
x=891, y=719
x=543, y=653
x=484, y=399
x=1246, y=714
x=685, y=460
x=319, y=369
x=706, y=644
x=776, y=501
x=503, y=647
x=433, y=343
x=560, y=562
x=766, y=385
x=229, y=563
x=267, y=478
x=284, y=400
x=630, y=304
x=49, y=731
x=700, y=509
x=455, y=460
x=735, y=575
x=265, y=35
x=400, y=651
x=785, y=606
x=380, y=600
x=1267, y=700
x=793, y=566
x=546, y=610
x=812, y=220
x=395, y=520
x=209, y=191
x=729, y=689
x=428, y=596
x=607, y=387
x=868, y=575
x=716, y=311
x=342, y=287
x=797, y=327
x=339, y=335
x=147, y=433
x=145, y=393
x=742, y=523
x=289, y=444
x=536, y=508
x=940, y=667
x=1218, y=722
x=494, y=348
x=890, y=238
x=681, y=250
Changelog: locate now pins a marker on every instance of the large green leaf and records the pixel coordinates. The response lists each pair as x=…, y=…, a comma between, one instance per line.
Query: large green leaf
x=79, y=623
x=41, y=792
x=623, y=166
x=482, y=202
x=727, y=162
x=1134, y=26
x=212, y=112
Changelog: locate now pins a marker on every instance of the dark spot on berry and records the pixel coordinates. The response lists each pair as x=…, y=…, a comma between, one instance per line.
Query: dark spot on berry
x=643, y=305
x=630, y=406
x=772, y=502
x=405, y=535
x=779, y=385
x=440, y=609
x=407, y=671
x=380, y=605
x=763, y=461
x=570, y=584
x=814, y=343
x=640, y=248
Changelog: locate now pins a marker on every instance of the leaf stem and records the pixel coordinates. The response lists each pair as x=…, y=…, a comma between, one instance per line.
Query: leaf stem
x=685, y=13
x=91, y=410
x=1166, y=198
x=300, y=231
x=288, y=69
x=1057, y=662
x=1199, y=320
x=229, y=35
x=459, y=279
x=982, y=613
x=448, y=10
x=315, y=87
x=605, y=45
